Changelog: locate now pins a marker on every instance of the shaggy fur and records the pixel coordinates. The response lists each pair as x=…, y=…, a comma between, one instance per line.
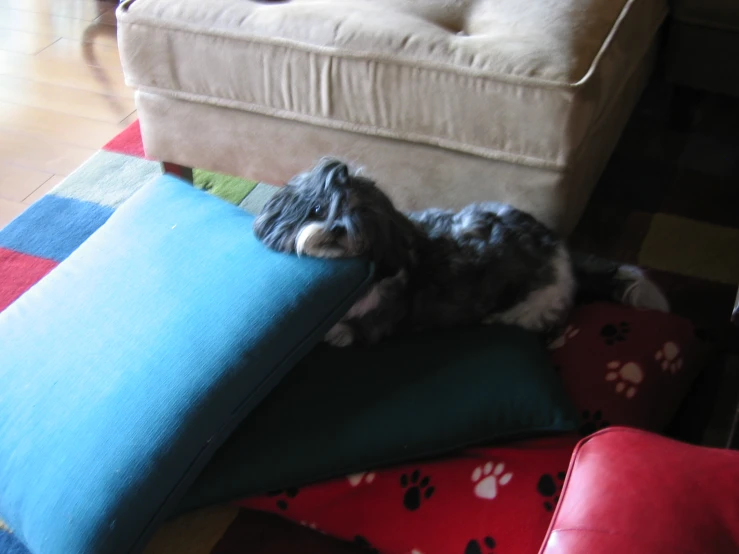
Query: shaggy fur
x=487, y=263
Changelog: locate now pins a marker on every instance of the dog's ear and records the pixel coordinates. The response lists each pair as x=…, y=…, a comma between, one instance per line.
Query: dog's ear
x=392, y=243
x=333, y=173
x=275, y=224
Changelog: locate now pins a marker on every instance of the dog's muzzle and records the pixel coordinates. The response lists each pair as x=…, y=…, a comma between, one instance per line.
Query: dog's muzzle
x=316, y=240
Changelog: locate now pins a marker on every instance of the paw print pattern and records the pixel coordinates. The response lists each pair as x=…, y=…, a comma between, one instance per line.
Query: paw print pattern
x=356, y=479
x=569, y=333
x=488, y=478
x=311, y=525
x=550, y=487
x=590, y=423
x=417, y=489
x=284, y=495
x=628, y=377
x=669, y=357
x=613, y=333
x=485, y=546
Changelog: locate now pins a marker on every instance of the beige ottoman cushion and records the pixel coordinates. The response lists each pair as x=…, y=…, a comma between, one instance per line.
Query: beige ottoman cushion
x=521, y=82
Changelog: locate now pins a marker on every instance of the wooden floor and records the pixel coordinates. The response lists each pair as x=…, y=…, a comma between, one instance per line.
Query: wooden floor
x=62, y=94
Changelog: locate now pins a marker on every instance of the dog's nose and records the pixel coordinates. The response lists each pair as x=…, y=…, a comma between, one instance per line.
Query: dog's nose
x=338, y=231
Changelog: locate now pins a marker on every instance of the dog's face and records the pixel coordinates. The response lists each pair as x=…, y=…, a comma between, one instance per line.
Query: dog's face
x=328, y=212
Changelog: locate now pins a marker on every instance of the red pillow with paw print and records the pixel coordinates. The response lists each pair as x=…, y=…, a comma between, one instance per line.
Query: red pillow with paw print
x=482, y=501
x=623, y=366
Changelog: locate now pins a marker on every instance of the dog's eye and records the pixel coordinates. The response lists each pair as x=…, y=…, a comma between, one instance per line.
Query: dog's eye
x=317, y=211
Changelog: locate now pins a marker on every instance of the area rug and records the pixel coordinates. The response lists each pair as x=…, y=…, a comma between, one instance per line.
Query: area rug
x=642, y=212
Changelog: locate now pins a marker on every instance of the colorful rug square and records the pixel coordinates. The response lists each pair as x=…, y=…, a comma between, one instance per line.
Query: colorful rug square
x=19, y=273
x=54, y=227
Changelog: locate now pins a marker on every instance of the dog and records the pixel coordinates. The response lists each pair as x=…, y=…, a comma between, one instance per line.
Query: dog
x=484, y=264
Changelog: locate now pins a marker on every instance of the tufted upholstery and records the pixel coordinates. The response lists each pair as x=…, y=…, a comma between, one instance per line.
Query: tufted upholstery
x=511, y=81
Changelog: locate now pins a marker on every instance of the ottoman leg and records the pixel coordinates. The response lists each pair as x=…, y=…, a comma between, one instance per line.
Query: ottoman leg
x=178, y=170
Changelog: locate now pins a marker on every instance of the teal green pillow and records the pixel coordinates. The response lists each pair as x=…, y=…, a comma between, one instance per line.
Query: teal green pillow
x=346, y=410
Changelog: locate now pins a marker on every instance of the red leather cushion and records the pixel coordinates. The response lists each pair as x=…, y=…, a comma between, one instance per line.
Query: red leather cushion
x=632, y=491
x=622, y=366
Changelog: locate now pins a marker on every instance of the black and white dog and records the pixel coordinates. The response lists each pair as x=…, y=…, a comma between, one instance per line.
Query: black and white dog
x=487, y=263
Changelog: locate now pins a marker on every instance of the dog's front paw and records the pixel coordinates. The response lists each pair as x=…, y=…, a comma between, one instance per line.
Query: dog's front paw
x=340, y=335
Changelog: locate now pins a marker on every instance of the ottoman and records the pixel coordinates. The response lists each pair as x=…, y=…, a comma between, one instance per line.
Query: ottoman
x=445, y=103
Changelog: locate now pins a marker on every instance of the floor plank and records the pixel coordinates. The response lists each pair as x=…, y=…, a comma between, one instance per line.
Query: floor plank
x=59, y=26
x=62, y=127
x=44, y=188
x=16, y=183
x=84, y=52
x=9, y=210
x=108, y=18
x=88, y=10
x=104, y=80
x=24, y=43
x=62, y=93
x=25, y=92
x=41, y=154
x=130, y=119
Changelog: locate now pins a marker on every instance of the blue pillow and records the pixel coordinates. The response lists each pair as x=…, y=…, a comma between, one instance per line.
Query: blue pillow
x=128, y=364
